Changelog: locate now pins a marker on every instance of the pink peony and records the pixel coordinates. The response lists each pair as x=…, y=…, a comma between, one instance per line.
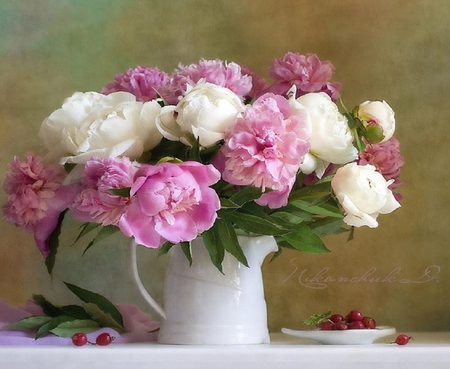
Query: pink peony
x=142, y=82
x=307, y=72
x=229, y=75
x=258, y=83
x=172, y=202
x=387, y=160
x=94, y=203
x=36, y=197
x=265, y=148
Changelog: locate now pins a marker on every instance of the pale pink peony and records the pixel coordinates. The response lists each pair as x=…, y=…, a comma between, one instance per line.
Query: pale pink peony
x=387, y=160
x=229, y=75
x=265, y=148
x=94, y=203
x=172, y=202
x=307, y=72
x=36, y=197
x=143, y=82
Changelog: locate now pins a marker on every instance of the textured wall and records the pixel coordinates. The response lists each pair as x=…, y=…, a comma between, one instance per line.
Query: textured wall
x=385, y=49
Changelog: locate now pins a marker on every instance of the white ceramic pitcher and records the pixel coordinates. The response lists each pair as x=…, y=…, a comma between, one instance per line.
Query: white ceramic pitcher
x=203, y=306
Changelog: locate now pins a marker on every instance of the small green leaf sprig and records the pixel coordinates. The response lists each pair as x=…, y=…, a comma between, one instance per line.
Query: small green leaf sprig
x=316, y=319
x=95, y=312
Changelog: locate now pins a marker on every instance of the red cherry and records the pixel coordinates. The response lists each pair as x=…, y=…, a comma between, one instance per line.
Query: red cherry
x=335, y=318
x=402, y=339
x=356, y=324
x=104, y=339
x=354, y=315
x=79, y=339
x=327, y=325
x=369, y=323
x=341, y=326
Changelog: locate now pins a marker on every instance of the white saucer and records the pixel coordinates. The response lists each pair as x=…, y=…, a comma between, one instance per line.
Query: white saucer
x=347, y=337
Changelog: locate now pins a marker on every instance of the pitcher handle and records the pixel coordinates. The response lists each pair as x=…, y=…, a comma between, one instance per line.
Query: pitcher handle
x=137, y=280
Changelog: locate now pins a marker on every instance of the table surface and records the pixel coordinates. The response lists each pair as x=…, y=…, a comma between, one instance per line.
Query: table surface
x=425, y=350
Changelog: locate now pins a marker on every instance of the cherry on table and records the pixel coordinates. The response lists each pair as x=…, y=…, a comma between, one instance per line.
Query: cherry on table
x=402, y=339
x=104, y=339
x=79, y=339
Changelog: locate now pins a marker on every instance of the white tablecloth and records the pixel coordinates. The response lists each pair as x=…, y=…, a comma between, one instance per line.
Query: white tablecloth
x=425, y=350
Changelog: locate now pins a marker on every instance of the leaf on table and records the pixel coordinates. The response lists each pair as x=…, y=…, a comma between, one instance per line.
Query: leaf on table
x=69, y=328
x=103, y=318
x=30, y=323
x=102, y=302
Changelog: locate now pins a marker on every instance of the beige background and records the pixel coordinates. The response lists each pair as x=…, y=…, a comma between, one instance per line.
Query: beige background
x=385, y=49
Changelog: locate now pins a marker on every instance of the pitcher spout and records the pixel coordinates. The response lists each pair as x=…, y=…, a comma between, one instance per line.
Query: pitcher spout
x=257, y=248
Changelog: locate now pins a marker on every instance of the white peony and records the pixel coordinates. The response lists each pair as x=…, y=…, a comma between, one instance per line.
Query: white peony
x=363, y=194
x=92, y=124
x=379, y=113
x=331, y=139
x=204, y=113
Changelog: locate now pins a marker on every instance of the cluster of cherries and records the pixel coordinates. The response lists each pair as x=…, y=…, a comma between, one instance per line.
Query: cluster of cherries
x=355, y=319
x=103, y=339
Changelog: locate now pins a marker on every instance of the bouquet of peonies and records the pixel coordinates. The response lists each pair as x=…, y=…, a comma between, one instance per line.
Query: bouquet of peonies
x=210, y=150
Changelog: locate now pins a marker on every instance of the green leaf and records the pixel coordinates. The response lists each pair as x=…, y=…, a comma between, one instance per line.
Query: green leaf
x=68, y=167
x=326, y=226
x=31, y=323
x=85, y=229
x=165, y=247
x=287, y=217
x=315, y=319
x=53, y=243
x=76, y=311
x=69, y=328
x=186, y=247
x=245, y=195
x=254, y=209
x=304, y=239
x=228, y=204
x=47, y=327
x=194, y=150
x=48, y=308
x=226, y=234
x=103, y=303
x=163, y=149
x=103, y=318
x=321, y=189
x=214, y=247
x=322, y=209
x=104, y=232
x=123, y=192
x=276, y=254
x=253, y=224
